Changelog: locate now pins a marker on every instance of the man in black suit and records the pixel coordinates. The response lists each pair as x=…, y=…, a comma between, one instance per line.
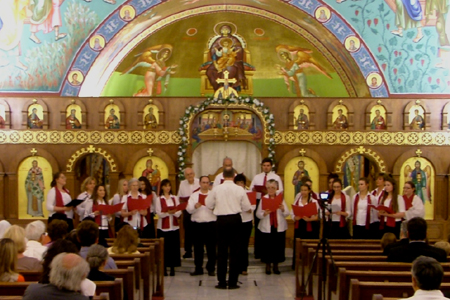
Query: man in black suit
x=417, y=234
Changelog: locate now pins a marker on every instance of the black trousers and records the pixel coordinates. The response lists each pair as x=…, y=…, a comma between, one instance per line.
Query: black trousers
x=188, y=237
x=228, y=243
x=257, y=239
x=395, y=230
x=172, y=256
x=204, y=236
x=360, y=232
x=244, y=236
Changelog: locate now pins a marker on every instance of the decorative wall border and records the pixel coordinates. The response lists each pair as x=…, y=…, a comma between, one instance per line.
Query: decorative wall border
x=89, y=137
x=383, y=138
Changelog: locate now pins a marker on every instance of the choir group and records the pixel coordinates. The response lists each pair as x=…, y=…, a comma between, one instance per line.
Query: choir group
x=370, y=214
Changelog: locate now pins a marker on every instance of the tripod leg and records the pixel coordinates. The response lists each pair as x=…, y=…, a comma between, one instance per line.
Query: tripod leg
x=308, y=282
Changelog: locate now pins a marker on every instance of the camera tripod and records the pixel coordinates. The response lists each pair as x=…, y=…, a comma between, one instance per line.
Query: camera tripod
x=324, y=247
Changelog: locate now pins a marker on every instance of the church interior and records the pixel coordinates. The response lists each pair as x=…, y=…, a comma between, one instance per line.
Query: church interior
x=111, y=89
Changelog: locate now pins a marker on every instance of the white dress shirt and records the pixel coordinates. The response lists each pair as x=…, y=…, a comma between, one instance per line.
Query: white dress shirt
x=172, y=201
x=377, y=196
x=427, y=295
x=51, y=202
x=298, y=202
x=89, y=213
x=247, y=216
x=401, y=205
x=81, y=207
x=336, y=206
x=35, y=249
x=201, y=214
x=136, y=218
x=228, y=199
x=186, y=189
x=416, y=210
x=259, y=180
x=264, y=224
x=361, y=212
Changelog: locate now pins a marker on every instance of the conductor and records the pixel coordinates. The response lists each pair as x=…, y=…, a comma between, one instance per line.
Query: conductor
x=227, y=201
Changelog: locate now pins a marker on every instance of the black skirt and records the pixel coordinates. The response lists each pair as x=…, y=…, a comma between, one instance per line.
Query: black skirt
x=273, y=246
x=172, y=254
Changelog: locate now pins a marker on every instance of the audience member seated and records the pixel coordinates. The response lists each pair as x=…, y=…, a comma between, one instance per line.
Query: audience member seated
x=388, y=239
x=68, y=270
x=427, y=276
x=8, y=254
x=444, y=245
x=87, y=233
x=96, y=258
x=126, y=242
x=72, y=236
x=417, y=246
x=61, y=246
x=3, y=226
x=35, y=232
x=403, y=238
x=24, y=263
x=57, y=229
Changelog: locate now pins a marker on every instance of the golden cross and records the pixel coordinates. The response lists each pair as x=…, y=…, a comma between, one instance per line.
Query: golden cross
x=302, y=152
x=302, y=101
x=34, y=100
x=340, y=101
x=379, y=102
x=111, y=101
x=361, y=149
x=91, y=149
x=417, y=101
x=73, y=101
x=419, y=152
x=33, y=152
x=225, y=79
x=150, y=152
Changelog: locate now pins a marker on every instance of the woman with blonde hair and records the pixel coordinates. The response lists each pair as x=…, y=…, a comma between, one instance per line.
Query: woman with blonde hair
x=24, y=263
x=126, y=242
x=8, y=253
x=122, y=190
x=87, y=187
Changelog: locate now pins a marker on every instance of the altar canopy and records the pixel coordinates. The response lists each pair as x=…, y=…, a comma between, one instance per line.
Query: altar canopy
x=208, y=157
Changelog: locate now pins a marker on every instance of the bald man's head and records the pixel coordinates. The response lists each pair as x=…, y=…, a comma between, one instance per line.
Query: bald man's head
x=67, y=270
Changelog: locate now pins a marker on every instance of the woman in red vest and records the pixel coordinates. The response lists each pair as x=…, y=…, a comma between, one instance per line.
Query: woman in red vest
x=168, y=228
x=340, y=211
x=98, y=198
x=362, y=214
x=390, y=222
x=57, y=198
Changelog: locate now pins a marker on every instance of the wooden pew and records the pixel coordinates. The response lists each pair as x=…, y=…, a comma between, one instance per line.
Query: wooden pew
x=100, y=297
x=380, y=297
x=136, y=265
x=369, y=266
x=127, y=276
x=113, y=288
x=157, y=276
x=146, y=268
x=345, y=277
x=363, y=290
x=14, y=288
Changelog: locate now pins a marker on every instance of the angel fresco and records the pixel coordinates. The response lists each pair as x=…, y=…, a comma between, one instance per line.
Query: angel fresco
x=295, y=60
x=153, y=60
x=421, y=178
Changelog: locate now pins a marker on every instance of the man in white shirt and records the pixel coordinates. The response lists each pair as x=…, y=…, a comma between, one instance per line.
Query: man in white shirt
x=227, y=202
x=226, y=164
x=258, y=182
x=34, y=232
x=203, y=229
x=427, y=274
x=187, y=187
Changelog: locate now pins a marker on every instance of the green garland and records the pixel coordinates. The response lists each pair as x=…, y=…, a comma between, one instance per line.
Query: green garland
x=193, y=110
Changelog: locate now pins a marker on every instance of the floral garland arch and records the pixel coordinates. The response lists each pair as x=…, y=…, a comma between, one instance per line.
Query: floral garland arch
x=192, y=110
